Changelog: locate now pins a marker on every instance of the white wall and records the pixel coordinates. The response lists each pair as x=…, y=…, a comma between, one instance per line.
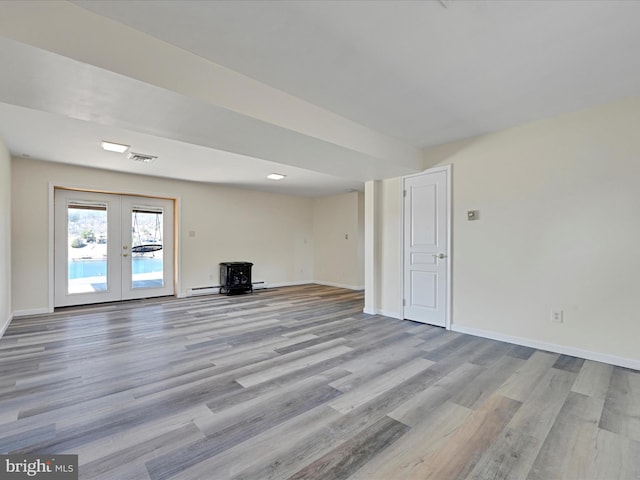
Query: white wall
x=383, y=252
x=5, y=238
x=338, y=239
x=267, y=229
x=559, y=228
x=390, y=225
x=361, y=239
x=372, y=246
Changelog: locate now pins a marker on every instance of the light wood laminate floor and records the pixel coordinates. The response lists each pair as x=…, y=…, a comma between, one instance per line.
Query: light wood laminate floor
x=298, y=383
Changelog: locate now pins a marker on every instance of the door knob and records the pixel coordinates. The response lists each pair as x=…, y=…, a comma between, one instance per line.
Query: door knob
x=439, y=255
x=124, y=255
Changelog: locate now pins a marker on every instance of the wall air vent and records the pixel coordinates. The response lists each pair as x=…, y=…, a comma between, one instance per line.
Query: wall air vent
x=142, y=157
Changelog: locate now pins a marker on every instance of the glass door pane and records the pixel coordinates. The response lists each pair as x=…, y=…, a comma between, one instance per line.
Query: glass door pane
x=87, y=248
x=147, y=270
x=147, y=246
x=86, y=240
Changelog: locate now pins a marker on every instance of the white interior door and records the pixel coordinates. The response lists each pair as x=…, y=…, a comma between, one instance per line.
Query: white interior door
x=426, y=247
x=111, y=247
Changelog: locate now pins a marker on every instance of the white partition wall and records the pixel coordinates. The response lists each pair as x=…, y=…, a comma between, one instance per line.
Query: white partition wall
x=5, y=238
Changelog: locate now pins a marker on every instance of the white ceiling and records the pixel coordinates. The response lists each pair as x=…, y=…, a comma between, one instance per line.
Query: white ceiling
x=423, y=72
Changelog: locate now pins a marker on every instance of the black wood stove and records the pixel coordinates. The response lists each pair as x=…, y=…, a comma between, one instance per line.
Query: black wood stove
x=235, y=277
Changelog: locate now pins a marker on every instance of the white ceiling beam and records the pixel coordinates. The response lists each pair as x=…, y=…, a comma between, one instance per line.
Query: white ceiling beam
x=72, y=32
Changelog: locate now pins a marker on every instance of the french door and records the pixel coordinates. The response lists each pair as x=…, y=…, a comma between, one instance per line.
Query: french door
x=111, y=247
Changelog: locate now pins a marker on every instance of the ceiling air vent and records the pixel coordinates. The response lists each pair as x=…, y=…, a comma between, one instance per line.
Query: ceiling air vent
x=142, y=157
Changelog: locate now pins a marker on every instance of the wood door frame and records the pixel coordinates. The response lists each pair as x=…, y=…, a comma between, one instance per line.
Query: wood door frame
x=448, y=170
x=176, y=257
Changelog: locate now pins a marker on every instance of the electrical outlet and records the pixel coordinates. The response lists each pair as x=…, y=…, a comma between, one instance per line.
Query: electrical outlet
x=557, y=316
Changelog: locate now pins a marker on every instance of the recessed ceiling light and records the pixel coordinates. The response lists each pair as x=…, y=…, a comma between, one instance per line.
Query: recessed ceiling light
x=275, y=176
x=114, y=147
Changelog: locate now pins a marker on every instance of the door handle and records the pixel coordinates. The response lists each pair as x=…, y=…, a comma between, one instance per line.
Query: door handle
x=439, y=255
x=125, y=255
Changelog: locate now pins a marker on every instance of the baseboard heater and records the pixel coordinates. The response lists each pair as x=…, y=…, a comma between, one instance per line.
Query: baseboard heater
x=216, y=289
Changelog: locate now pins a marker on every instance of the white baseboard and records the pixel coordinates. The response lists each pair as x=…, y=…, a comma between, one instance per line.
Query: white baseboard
x=289, y=284
x=340, y=285
x=551, y=347
x=311, y=282
x=30, y=311
x=388, y=313
x=4, y=327
x=204, y=290
x=192, y=292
